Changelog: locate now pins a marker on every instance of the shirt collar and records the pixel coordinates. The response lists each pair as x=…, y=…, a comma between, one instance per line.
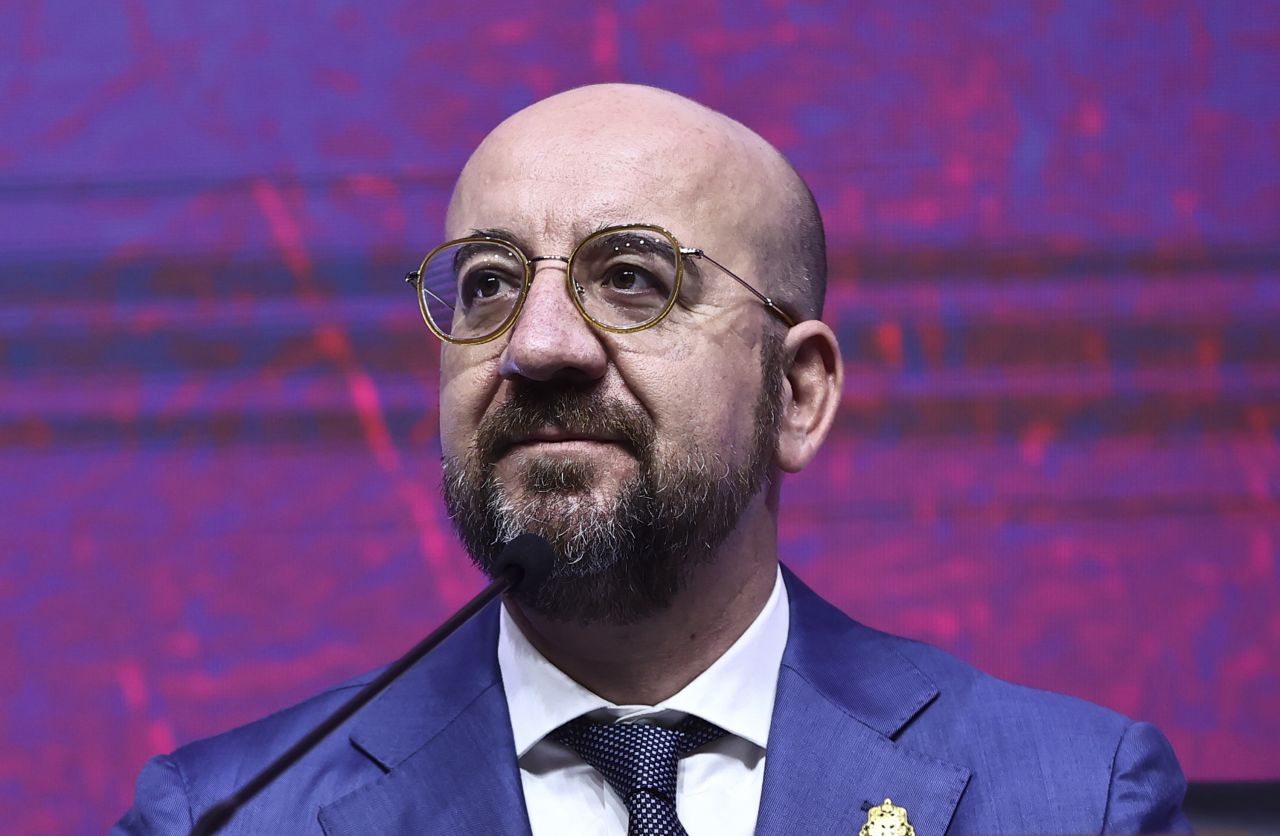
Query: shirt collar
x=736, y=693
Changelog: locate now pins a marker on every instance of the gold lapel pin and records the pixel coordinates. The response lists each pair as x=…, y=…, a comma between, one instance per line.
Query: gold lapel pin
x=887, y=820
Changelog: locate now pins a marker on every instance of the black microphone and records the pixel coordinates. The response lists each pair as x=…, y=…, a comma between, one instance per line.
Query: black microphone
x=524, y=563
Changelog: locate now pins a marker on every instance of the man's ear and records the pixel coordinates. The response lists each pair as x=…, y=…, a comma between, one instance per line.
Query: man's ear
x=814, y=375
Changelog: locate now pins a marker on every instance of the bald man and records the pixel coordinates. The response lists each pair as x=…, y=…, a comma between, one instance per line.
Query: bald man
x=628, y=301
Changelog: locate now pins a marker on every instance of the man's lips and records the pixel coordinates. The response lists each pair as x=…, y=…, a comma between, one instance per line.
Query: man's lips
x=555, y=435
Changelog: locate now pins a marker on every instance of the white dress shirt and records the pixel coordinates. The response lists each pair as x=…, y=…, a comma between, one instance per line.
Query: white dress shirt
x=718, y=787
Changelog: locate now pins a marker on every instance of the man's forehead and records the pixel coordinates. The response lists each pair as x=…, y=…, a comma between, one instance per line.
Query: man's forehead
x=554, y=155
x=565, y=167
x=544, y=207
x=579, y=231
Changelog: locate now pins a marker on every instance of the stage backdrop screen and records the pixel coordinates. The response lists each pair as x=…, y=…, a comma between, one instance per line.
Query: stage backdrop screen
x=1055, y=274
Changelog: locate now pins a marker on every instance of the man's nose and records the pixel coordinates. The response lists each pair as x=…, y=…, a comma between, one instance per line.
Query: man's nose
x=551, y=340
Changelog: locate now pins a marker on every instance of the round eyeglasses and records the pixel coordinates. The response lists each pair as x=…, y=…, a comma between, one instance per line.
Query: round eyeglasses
x=621, y=279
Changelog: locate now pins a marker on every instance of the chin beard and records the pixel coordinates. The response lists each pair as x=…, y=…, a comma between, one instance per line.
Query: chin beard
x=620, y=558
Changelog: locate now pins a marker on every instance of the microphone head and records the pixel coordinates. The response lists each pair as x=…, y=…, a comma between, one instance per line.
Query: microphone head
x=532, y=557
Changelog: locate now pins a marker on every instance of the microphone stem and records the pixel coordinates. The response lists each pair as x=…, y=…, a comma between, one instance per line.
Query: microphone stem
x=217, y=816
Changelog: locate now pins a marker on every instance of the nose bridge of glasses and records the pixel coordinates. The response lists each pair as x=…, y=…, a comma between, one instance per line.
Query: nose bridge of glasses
x=539, y=258
x=538, y=262
x=542, y=262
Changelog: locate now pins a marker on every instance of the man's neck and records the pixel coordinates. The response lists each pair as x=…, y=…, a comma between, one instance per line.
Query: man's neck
x=650, y=661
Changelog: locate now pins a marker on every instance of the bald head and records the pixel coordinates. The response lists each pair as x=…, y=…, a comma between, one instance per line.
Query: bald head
x=619, y=153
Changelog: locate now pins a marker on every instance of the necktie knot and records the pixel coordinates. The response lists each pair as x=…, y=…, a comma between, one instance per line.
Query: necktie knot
x=640, y=762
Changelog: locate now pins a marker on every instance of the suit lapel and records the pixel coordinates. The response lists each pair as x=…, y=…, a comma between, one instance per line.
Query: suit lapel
x=844, y=693
x=443, y=735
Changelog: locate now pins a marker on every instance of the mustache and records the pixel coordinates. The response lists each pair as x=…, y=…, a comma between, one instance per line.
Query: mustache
x=574, y=409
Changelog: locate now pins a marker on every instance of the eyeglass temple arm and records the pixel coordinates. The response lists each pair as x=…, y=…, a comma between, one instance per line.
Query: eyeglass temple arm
x=764, y=300
x=412, y=278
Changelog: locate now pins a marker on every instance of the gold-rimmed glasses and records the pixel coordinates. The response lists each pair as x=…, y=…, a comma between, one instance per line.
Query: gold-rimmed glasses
x=622, y=279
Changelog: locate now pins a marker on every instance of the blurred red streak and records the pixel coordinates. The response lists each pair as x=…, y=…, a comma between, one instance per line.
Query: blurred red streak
x=333, y=341
x=132, y=687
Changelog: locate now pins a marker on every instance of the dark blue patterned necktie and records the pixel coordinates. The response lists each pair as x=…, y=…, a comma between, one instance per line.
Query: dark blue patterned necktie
x=640, y=762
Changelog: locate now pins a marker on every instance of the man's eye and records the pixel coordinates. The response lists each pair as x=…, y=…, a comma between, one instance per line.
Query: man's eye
x=628, y=279
x=485, y=284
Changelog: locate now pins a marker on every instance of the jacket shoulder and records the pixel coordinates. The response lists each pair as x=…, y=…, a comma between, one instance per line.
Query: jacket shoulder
x=242, y=751
x=173, y=790
x=836, y=651
x=987, y=699
x=1033, y=756
x=1032, y=750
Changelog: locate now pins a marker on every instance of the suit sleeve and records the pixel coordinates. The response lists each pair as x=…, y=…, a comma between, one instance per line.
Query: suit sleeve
x=1147, y=785
x=160, y=804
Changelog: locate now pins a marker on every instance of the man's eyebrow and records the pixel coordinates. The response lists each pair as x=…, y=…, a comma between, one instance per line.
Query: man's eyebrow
x=498, y=232
x=505, y=235
x=603, y=225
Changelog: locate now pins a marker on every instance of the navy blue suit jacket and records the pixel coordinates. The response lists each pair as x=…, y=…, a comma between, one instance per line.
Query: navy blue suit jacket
x=859, y=716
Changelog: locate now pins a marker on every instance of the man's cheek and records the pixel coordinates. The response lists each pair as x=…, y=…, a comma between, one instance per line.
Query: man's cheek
x=461, y=410
x=455, y=434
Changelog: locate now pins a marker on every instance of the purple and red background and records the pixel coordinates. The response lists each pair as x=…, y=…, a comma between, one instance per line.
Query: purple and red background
x=1055, y=246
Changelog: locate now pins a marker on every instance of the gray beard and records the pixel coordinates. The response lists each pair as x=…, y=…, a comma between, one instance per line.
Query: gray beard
x=617, y=562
